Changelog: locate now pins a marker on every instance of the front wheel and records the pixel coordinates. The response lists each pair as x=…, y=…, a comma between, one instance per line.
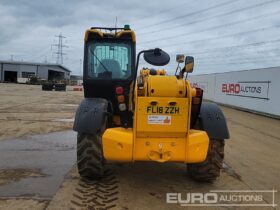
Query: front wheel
x=209, y=170
x=90, y=158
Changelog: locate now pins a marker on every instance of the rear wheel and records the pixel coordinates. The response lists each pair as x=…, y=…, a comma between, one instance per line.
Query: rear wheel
x=209, y=170
x=90, y=158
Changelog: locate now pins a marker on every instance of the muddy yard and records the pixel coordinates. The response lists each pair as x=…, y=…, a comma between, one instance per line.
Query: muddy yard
x=39, y=172
x=27, y=110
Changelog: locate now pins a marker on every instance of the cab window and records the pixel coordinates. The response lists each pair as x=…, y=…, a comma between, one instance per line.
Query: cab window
x=109, y=60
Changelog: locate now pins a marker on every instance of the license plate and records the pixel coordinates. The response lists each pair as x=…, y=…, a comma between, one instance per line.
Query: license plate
x=163, y=110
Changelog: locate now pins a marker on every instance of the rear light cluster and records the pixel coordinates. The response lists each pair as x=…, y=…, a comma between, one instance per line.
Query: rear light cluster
x=121, y=98
x=198, y=92
x=119, y=90
x=198, y=97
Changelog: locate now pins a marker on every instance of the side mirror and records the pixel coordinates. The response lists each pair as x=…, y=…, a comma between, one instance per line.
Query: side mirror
x=189, y=63
x=180, y=58
x=156, y=57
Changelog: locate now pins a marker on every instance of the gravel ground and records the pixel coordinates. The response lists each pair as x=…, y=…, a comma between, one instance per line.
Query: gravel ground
x=26, y=110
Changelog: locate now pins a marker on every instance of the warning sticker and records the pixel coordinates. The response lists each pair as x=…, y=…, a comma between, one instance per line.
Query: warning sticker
x=159, y=119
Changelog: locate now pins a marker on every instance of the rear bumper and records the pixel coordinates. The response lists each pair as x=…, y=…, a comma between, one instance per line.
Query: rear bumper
x=119, y=144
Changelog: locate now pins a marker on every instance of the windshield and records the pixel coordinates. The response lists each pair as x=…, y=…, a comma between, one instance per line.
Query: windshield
x=109, y=60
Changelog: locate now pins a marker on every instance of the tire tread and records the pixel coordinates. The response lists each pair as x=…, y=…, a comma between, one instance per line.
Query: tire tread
x=209, y=170
x=90, y=158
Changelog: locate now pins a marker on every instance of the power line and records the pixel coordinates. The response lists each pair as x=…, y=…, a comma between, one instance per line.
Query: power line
x=238, y=57
x=236, y=63
x=224, y=60
x=189, y=14
x=160, y=12
x=39, y=55
x=211, y=17
x=214, y=27
x=254, y=44
x=229, y=48
x=235, y=58
x=225, y=56
x=221, y=37
x=59, y=53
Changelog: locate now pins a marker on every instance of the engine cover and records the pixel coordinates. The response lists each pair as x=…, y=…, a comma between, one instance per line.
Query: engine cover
x=165, y=86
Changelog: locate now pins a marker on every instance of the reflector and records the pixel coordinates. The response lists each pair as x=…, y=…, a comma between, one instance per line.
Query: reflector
x=119, y=90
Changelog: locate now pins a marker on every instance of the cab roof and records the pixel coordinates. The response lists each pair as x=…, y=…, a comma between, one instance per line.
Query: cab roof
x=104, y=32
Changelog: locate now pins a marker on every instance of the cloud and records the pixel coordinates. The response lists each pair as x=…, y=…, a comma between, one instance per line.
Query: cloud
x=28, y=29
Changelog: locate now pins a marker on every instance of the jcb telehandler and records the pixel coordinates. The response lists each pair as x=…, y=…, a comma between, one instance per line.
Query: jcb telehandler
x=150, y=117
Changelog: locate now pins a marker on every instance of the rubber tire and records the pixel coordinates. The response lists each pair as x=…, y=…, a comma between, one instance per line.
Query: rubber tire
x=47, y=87
x=90, y=159
x=60, y=87
x=209, y=170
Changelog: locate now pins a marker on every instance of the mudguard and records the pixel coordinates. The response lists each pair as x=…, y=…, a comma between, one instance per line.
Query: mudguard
x=90, y=115
x=213, y=121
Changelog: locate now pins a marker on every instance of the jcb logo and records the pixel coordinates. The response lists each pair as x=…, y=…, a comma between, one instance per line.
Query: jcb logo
x=163, y=110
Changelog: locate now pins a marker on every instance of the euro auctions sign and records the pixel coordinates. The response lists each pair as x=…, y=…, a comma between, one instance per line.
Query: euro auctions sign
x=250, y=89
x=256, y=90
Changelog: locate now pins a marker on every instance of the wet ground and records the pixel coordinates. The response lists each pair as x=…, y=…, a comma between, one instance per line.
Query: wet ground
x=35, y=166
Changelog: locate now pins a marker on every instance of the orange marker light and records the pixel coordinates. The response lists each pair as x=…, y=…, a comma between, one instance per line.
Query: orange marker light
x=121, y=99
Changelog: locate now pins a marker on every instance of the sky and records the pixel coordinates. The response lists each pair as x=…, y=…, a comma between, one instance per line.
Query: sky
x=222, y=35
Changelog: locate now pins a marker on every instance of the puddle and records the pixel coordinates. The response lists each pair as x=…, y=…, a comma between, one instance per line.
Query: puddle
x=36, y=165
x=15, y=174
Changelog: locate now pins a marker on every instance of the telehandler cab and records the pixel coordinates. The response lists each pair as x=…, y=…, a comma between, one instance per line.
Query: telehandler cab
x=150, y=117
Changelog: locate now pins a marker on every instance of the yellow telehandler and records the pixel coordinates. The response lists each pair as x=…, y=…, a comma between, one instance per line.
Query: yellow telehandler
x=129, y=116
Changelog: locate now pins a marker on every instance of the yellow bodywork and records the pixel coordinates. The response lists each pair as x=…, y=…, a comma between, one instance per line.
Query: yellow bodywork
x=161, y=123
x=161, y=129
x=119, y=144
x=162, y=119
x=118, y=34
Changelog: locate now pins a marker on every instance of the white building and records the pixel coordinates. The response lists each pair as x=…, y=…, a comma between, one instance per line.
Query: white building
x=11, y=71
